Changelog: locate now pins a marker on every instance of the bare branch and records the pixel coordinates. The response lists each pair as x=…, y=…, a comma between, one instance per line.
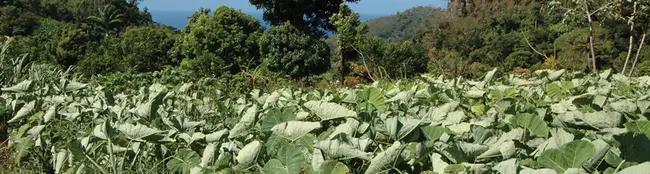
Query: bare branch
x=363, y=58
x=533, y=48
x=638, y=52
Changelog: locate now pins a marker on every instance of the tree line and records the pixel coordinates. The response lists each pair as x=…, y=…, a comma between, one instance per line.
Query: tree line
x=469, y=37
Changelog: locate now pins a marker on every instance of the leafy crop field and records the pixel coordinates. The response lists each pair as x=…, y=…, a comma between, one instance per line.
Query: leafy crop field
x=545, y=122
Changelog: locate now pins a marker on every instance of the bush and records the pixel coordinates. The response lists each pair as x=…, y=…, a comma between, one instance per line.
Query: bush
x=225, y=42
x=288, y=51
x=145, y=49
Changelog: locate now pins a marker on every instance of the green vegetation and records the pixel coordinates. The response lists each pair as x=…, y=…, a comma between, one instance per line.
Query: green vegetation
x=98, y=87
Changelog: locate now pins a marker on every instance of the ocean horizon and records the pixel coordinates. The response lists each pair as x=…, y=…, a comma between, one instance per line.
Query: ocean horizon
x=179, y=19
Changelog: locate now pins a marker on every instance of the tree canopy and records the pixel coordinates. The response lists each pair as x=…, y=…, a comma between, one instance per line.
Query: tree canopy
x=309, y=16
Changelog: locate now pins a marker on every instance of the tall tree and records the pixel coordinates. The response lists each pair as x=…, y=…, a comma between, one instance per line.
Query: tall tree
x=290, y=52
x=218, y=44
x=309, y=16
x=349, y=32
x=108, y=19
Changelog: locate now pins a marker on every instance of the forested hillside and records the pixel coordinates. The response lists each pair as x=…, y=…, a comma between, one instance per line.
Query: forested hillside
x=479, y=35
x=402, y=26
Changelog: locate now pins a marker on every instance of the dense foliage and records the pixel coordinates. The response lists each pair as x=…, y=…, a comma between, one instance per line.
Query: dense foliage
x=309, y=16
x=402, y=26
x=98, y=87
x=220, y=43
x=290, y=52
x=476, y=35
x=550, y=121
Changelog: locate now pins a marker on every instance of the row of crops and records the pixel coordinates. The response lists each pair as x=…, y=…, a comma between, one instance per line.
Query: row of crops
x=545, y=122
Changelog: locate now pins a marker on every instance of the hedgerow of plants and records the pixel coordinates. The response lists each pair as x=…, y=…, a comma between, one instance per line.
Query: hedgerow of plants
x=546, y=122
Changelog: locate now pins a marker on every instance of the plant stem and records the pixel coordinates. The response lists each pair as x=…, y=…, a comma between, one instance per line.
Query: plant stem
x=619, y=166
x=638, y=52
x=110, y=145
x=149, y=171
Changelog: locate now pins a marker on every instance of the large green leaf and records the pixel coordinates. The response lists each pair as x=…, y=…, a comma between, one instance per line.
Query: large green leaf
x=401, y=127
x=373, y=97
x=293, y=130
x=23, y=112
x=248, y=153
x=643, y=168
x=533, y=123
x=141, y=132
x=328, y=111
x=333, y=167
x=642, y=127
x=292, y=158
x=290, y=161
x=508, y=166
x=385, y=160
x=488, y=77
x=23, y=86
x=433, y=133
x=341, y=150
x=276, y=116
x=571, y=155
x=183, y=161
x=274, y=166
x=602, y=119
x=245, y=123
x=49, y=115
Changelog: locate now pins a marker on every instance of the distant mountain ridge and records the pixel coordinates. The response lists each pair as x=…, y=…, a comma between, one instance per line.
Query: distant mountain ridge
x=403, y=25
x=179, y=19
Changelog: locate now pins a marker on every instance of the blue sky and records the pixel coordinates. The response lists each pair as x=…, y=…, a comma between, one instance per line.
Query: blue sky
x=364, y=7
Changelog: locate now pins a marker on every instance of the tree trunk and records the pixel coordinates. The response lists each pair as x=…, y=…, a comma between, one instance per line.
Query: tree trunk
x=638, y=52
x=629, y=51
x=591, y=37
x=342, y=71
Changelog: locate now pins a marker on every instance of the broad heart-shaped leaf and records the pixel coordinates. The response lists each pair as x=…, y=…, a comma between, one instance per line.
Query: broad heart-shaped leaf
x=246, y=121
x=433, y=133
x=643, y=168
x=328, y=111
x=602, y=119
x=373, y=97
x=333, y=167
x=60, y=162
x=293, y=130
x=216, y=136
x=23, y=86
x=248, y=153
x=507, y=167
x=274, y=166
x=386, y=159
x=208, y=155
x=141, y=132
x=51, y=112
x=401, y=127
x=639, y=127
x=183, y=161
x=73, y=86
x=488, y=78
x=150, y=107
x=23, y=112
x=276, y=116
x=554, y=90
x=292, y=159
x=533, y=123
x=570, y=155
x=340, y=150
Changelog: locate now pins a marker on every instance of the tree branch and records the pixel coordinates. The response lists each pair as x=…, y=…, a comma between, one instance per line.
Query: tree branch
x=638, y=52
x=533, y=48
x=363, y=59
